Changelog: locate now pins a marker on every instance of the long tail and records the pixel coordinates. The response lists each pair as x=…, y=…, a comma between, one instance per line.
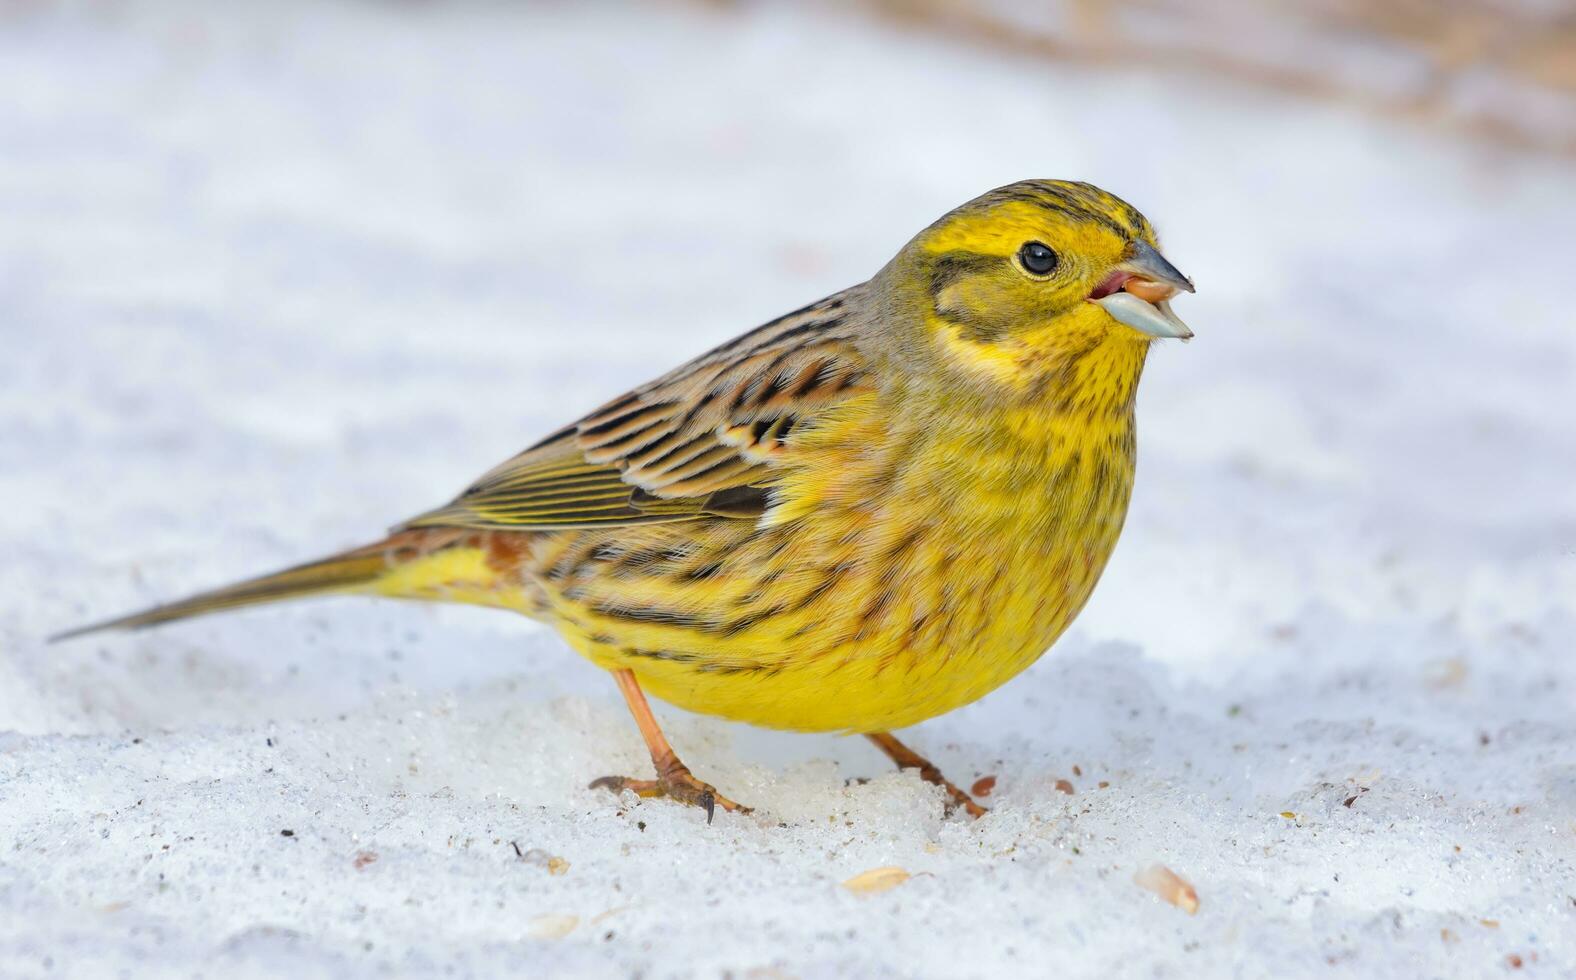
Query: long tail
x=438, y=565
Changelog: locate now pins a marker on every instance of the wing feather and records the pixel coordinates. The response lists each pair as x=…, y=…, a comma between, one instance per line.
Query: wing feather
x=703, y=440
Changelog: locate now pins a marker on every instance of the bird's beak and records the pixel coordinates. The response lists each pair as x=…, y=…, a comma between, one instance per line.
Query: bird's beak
x=1137, y=292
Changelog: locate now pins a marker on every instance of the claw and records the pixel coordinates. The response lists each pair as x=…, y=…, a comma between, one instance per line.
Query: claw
x=961, y=800
x=907, y=758
x=674, y=780
x=677, y=785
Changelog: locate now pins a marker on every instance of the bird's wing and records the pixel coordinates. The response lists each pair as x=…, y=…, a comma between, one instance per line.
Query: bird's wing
x=703, y=440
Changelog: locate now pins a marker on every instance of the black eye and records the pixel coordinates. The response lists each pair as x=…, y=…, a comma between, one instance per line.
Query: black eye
x=1037, y=258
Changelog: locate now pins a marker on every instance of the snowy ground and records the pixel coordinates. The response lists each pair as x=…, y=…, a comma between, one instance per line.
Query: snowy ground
x=273, y=278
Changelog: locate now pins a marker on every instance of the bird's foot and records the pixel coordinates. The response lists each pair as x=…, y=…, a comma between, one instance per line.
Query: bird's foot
x=907, y=758
x=956, y=798
x=676, y=783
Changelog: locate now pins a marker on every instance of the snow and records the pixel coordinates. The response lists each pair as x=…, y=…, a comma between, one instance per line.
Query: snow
x=274, y=277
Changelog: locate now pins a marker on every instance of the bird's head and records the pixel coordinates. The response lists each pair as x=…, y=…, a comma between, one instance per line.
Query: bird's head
x=1020, y=279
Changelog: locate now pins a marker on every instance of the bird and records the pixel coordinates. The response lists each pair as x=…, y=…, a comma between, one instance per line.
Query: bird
x=858, y=516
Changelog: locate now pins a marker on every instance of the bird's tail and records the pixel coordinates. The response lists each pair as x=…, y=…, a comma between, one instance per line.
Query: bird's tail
x=408, y=564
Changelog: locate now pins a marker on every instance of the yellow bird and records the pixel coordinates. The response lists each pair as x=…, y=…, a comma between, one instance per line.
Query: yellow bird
x=853, y=518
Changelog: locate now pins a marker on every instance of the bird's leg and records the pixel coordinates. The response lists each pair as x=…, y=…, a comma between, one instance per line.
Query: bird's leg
x=907, y=758
x=674, y=780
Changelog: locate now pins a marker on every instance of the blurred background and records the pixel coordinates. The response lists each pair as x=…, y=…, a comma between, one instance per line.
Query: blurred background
x=274, y=276
x=1502, y=70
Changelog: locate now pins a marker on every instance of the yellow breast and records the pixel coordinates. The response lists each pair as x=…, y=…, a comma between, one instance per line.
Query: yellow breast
x=923, y=554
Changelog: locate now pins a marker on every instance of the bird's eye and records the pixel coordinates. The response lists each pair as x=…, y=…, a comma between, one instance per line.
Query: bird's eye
x=1037, y=258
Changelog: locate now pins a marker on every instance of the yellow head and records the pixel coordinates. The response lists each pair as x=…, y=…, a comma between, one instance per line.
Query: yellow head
x=1029, y=276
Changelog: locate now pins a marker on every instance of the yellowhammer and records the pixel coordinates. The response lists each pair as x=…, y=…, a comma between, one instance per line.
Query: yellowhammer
x=858, y=516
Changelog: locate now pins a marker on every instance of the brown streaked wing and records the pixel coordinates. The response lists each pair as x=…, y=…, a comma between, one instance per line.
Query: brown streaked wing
x=700, y=441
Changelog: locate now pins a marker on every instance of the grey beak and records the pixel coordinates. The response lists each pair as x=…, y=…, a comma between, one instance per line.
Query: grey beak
x=1141, y=302
x=1155, y=319
x=1150, y=264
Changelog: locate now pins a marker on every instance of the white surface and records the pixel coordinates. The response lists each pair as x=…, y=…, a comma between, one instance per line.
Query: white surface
x=270, y=281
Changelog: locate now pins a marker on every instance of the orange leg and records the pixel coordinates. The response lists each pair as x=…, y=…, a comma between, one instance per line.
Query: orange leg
x=674, y=780
x=907, y=758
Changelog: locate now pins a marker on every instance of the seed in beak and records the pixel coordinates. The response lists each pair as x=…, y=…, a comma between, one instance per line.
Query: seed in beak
x=1148, y=290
